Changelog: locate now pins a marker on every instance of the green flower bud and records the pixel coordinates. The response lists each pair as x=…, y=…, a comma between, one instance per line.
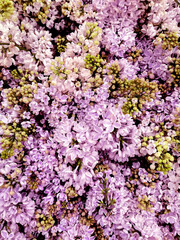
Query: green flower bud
x=6, y=9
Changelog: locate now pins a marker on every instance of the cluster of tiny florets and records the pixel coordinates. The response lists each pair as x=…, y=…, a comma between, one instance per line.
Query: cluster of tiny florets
x=89, y=120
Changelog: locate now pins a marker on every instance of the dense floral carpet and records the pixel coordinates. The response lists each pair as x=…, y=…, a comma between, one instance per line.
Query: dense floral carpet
x=89, y=120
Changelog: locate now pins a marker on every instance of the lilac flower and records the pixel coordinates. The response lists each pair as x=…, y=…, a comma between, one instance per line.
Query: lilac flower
x=26, y=124
x=7, y=236
x=78, y=140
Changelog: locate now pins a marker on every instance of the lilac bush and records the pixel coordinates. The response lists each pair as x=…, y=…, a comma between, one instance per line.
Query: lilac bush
x=89, y=120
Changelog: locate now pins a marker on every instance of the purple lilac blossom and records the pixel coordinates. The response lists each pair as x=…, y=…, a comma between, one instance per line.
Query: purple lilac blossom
x=89, y=120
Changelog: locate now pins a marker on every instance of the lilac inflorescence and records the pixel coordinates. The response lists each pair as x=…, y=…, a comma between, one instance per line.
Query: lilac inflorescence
x=89, y=120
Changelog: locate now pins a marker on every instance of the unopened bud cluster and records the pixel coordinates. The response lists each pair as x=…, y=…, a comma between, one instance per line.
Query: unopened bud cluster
x=92, y=30
x=72, y=10
x=61, y=44
x=58, y=69
x=44, y=221
x=168, y=40
x=43, y=12
x=135, y=54
x=137, y=91
x=161, y=160
x=6, y=9
x=174, y=69
x=85, y=219
x=13, y=137
x=71, y=192
x=24, y=92
x=95, y=82
x=144, y=203
x=12, y=178
x=33, y=181
x=101, y=168
x=114, y=70
x=94, y=63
